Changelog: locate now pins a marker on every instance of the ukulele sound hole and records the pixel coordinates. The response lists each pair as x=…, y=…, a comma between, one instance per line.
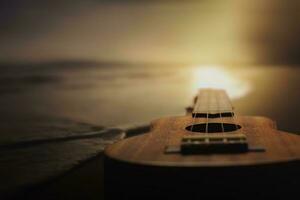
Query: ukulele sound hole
x=213, y=127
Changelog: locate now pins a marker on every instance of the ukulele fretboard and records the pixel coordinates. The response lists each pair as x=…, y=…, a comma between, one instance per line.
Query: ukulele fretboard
x=212, y=103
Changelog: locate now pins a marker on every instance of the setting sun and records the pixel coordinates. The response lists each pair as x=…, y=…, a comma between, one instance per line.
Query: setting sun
x=220, y=78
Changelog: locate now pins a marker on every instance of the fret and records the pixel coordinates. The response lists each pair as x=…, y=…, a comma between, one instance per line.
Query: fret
x=212, y=102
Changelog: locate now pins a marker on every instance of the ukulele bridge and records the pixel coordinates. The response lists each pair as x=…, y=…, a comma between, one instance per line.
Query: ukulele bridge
x=208, y=144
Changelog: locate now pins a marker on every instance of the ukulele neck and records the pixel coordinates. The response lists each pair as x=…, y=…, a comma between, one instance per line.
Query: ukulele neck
x=212, y=103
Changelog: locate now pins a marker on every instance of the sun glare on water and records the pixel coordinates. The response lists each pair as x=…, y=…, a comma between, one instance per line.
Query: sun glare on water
x=219, y=78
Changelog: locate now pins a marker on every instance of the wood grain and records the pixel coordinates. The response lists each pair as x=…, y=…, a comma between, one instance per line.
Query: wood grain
x=148, y=149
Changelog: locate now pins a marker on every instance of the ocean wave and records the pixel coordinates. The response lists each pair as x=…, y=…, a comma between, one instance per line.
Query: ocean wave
x=109, y=134
x=29, y=162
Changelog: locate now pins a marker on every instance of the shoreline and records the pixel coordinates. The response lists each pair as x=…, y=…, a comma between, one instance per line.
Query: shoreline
x=83, y=180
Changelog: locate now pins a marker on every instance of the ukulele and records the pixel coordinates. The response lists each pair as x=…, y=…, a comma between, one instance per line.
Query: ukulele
x=206, y=153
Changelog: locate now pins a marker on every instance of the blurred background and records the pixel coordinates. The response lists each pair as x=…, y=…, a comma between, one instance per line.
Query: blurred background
x=72, y=67
x=230, y=31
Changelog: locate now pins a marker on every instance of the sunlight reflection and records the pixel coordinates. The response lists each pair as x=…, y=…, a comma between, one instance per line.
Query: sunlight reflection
x=218, y=77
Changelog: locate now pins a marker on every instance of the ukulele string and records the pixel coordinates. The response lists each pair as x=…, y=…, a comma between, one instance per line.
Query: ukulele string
x=234, y=121
x=207, y=113
x=232, y=114
x=196, y=108
x=206, y=126
x=220, y=113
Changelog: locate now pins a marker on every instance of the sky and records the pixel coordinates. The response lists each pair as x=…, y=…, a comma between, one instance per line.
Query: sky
x=207, y=31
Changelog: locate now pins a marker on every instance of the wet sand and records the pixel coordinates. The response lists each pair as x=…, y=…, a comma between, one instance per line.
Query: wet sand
x=83, y=182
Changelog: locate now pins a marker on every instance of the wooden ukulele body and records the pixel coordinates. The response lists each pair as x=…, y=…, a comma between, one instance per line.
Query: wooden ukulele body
x=217, y=154
x=140, y=163
x=148, y=149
